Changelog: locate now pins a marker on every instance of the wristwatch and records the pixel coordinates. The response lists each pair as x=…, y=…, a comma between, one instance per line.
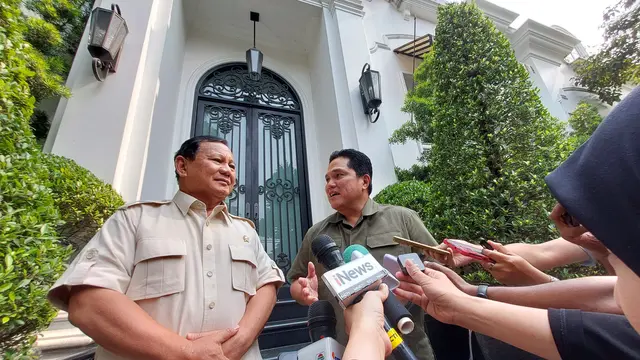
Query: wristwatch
x=482, y=291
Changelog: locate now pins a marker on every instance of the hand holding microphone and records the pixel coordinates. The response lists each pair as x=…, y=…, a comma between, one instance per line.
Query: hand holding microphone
x=365, y=320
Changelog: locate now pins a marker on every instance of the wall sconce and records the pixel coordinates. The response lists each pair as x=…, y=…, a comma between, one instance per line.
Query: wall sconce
x=370, y=92
x=254, y=56
x=107, y=32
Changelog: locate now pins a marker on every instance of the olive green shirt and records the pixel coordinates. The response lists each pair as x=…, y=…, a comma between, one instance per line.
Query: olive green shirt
x=375, y=230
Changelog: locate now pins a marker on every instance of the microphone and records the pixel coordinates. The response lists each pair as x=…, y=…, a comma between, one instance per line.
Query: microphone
x=346, y=281
x=321, y=321
x=399, y=315
x=394, y=311
x=322, y=331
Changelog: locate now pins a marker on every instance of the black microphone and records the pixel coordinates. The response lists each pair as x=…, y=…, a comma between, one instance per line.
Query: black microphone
x=327, y=252
x=321, y=321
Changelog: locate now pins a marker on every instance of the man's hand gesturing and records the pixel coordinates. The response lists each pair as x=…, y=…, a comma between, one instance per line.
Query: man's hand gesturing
x=309, y=285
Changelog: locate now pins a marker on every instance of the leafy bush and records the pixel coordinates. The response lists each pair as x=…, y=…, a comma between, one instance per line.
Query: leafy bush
x=30, y=255
x=35, y=190
x=416, y=172
x=411, y=194
x=83, y=201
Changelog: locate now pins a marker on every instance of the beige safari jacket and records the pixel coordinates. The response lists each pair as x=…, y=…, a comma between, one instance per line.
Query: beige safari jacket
x=189, y=271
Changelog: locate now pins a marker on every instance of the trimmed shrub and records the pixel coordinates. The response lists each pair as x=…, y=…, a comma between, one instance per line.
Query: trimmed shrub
x=83, y=201
x=411, y=194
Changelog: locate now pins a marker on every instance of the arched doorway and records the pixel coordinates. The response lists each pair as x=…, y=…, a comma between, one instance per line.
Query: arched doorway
x=263, y=123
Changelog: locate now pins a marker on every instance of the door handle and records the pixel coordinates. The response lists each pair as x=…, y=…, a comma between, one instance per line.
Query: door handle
x=256, y=212
x=247, y=210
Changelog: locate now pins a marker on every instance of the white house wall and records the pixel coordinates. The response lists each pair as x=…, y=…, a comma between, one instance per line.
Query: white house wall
x=159, y=165
x=96, y=125
x=386, y=30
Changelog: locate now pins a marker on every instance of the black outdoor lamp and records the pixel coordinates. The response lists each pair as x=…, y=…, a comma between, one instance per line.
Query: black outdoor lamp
x=370, y=91
x=107, y=32
x=254, y=56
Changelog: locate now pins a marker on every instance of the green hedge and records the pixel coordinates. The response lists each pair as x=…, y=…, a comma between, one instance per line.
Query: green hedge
x=44, y=200
x=412, y=194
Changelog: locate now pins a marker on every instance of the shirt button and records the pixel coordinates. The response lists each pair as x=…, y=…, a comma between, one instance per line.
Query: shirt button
x=212, y=305
x=91, y=254
x=209, y=247
x=209, y=274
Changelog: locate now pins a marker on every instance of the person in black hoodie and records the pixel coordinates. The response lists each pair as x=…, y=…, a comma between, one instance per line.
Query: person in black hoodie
x=598, y=194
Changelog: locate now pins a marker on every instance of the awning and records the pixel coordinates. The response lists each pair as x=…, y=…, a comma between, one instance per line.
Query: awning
x=417, y=47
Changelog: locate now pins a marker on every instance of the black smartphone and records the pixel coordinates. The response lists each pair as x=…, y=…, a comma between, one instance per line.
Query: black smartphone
x=413, y=257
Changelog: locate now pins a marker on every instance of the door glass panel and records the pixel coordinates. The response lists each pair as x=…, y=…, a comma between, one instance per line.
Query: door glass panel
x=230, y=123
x=279, y=222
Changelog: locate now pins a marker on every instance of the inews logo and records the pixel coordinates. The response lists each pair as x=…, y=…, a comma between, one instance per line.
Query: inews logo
x=345, y=276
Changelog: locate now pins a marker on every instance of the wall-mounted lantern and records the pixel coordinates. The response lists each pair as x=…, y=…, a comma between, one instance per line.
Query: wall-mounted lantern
x=254, y=56
x=370, y=91
x=107, y=32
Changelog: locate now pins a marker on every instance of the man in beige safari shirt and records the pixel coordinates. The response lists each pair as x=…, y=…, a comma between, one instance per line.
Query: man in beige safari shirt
x=358, y=220
x=177, y=279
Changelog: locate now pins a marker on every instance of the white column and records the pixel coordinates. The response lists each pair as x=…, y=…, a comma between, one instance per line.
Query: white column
x=105, y=126
x=372, y=139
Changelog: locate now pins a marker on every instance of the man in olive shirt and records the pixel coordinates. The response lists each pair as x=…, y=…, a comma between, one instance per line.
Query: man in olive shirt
x=358, y=220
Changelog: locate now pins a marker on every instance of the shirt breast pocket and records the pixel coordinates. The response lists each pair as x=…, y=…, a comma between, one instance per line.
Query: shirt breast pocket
x=159, y=268
x=381, y=244
x=244, y=273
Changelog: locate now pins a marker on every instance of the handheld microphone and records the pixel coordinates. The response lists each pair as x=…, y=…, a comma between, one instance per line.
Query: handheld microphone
x=322, y=330
x=321, y=321
x=346, y=281
x=394, y=311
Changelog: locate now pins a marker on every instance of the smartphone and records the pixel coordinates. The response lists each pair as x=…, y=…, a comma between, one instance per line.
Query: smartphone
x=402, y=259
x=418, y=245
x=471, y=251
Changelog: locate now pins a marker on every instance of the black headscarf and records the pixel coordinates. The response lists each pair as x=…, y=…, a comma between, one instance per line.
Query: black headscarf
x=599, y=184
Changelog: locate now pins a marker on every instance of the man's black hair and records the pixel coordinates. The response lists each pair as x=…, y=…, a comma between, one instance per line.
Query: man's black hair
x=190, y=148
x=358, y=162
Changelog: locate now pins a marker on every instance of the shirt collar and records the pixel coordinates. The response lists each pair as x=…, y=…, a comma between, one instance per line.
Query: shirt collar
x=185, y=202
x=370, y=207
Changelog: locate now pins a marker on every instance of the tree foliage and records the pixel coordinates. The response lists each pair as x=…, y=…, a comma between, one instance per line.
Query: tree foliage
x=618, y=61
x=584, y=120
x=54, y=34
x=492, y=139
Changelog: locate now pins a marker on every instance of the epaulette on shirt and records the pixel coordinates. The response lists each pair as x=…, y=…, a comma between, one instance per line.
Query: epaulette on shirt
x=243, y=219
x=141, y=202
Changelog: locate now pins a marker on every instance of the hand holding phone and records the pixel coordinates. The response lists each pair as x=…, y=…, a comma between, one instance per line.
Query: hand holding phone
x=465, y=249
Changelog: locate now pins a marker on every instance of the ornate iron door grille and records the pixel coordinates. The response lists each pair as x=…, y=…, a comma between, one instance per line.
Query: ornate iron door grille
x=262, y=121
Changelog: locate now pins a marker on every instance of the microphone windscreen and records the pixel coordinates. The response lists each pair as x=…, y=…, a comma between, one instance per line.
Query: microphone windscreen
x=320, y=243
x=321, y=309
x=321, y=320
x=350, y=249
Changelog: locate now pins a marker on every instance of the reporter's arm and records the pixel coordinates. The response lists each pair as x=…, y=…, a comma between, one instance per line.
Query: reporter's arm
x=550, y=254
x=593, y=293
x=119, y=325
x=522, y=327
x=362, y=345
